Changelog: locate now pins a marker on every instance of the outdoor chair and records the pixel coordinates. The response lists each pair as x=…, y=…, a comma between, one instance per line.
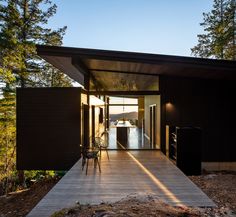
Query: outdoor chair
x=102, y=144
x=90, y=154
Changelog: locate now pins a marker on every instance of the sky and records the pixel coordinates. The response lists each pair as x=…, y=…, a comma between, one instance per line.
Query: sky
x=149, y=26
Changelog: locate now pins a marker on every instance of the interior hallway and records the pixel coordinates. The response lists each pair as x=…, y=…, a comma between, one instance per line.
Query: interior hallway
x=136, y=140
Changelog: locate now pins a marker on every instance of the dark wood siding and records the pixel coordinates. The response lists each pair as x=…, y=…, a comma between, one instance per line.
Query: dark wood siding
x=48, y=128
x=208, y=104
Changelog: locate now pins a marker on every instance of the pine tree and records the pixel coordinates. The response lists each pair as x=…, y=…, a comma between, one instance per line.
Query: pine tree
x=22, y=25
x=51, y=77
x=231, y=30
x=7, y=139
x=218, y=41
x=10, y=54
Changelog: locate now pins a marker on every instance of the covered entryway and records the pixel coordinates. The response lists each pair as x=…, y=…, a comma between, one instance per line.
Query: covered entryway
x=128, y=122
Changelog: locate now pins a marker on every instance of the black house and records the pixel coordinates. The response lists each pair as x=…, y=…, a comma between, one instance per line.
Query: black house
x=173, y=92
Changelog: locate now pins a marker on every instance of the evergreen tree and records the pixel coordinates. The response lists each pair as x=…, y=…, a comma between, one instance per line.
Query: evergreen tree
x=51, y=77
x=230, y=52
x=7, y=140
x=22, y=25
x=218, y=40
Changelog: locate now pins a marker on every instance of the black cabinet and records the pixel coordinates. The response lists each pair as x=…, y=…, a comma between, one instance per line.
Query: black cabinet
x=184, y=148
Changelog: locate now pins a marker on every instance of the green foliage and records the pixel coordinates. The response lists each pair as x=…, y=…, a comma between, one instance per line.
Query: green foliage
x=32, y=176
x=7, y=138
x=38, y=174
x=218, y=40
x=50, y=77
x=60, y=173
x=23, y=23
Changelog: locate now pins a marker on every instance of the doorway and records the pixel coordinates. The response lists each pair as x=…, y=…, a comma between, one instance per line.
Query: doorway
x=140, y=115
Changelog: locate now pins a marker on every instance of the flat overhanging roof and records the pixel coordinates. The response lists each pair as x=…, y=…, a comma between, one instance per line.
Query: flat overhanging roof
x=105, y=66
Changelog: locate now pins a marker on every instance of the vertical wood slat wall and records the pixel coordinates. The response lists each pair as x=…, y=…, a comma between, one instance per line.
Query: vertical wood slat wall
x=205, y=103
x=48, y=128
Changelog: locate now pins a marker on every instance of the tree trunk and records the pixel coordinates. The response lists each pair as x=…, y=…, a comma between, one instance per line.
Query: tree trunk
x=21, y=178
x=222, y=24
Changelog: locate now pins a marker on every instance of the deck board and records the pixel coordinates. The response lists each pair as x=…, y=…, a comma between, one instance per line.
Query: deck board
x=127, y=172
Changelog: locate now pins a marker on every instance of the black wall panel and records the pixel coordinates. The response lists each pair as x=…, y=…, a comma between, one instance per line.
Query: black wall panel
x=208, y=104
x=48, y=128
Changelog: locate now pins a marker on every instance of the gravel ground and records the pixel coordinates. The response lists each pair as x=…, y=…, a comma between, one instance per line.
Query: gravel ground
x=221, y=188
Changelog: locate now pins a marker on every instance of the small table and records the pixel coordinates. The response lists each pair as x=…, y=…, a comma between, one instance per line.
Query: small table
x=123, y=132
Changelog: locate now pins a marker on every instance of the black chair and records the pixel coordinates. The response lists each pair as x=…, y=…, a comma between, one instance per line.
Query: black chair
x=88, y=154
x=102, y=144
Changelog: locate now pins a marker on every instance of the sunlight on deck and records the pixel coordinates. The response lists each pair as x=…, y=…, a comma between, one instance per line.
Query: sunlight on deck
x=162, y=187
x=165, y=190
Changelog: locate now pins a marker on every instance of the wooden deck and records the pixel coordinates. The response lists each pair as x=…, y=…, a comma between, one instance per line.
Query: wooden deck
x=127, y=172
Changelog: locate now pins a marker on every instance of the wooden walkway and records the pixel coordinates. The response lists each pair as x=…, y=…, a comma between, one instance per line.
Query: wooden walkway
x=127, y=172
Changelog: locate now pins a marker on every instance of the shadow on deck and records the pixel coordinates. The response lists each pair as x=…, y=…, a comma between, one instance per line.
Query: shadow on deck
x=127, y=172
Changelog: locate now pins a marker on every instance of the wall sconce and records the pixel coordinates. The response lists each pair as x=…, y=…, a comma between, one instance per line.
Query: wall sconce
x=169, y=106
